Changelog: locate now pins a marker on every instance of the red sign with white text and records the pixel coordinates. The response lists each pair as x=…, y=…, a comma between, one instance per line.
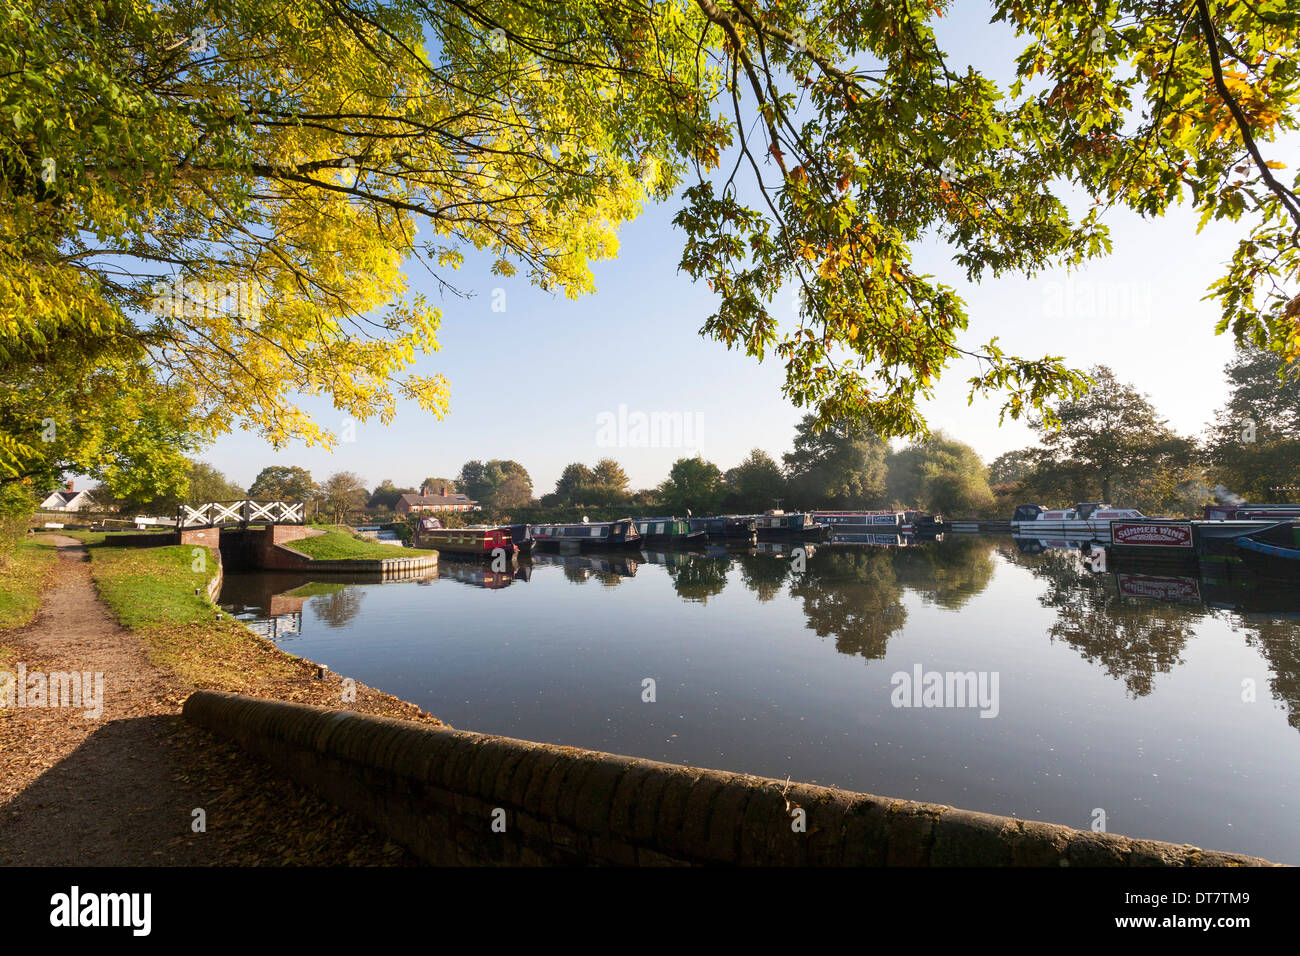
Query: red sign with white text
x=1147, y=534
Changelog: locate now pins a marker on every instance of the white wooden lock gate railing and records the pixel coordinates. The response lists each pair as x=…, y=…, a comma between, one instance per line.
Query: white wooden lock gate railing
x=241, y=512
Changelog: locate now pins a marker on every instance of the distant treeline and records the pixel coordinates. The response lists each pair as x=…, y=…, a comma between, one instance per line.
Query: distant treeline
x=1108, y=445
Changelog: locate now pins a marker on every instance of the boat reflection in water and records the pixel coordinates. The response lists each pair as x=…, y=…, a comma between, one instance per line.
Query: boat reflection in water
x=579, y=567
x=1232, y=583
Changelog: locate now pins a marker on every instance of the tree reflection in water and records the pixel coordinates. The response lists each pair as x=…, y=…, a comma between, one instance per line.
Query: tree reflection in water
x=338, y=607
x=699, y=577
x=763, y=574
x=1131, y=639
x=854, y=596
x=1279, y=643
x=947, y=573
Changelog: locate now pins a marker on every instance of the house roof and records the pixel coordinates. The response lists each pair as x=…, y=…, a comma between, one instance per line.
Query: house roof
x=436, y=500
x=64, y=495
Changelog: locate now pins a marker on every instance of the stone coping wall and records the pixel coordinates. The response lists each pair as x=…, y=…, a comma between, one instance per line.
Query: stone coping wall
x=282, y=558
x=457, y=797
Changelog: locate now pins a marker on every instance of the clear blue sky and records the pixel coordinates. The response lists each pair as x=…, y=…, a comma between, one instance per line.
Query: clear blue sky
x=531, y=383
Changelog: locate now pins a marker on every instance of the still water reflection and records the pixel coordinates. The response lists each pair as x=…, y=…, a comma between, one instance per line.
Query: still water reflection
x=1169, y=698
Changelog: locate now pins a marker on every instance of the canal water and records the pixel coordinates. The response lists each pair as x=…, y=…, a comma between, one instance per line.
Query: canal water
x=1154, y=702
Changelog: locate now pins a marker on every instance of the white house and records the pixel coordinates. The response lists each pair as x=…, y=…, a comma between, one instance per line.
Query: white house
x=67, y=499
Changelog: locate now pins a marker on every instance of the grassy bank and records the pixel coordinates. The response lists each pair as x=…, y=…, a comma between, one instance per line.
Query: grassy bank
x=340, y=544
x=24, y=571
x=161, y=594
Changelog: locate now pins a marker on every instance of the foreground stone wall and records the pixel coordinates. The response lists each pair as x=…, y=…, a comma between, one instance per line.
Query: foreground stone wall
x=456, y=797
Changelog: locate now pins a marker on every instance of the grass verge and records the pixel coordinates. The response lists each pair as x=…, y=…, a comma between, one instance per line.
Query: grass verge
x=23, y=574
x=161, y=595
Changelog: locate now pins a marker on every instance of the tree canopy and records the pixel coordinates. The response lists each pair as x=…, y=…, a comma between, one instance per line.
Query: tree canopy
x=754, y=485
x=942, y=474
x=342, y=492
x=1254, y=444
x=386, y=495
x=1112, y=446
x=283, y=483
x=694, y=485
x=485, y=482
x=226, y=193
x=838, y=466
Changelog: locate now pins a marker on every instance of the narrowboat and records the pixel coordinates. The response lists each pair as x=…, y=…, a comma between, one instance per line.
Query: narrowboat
x=479, y=541
x=667, y=531
x=860, y=522
x=726, y=526
x=1090, y=519
x=589, y=534
x=1280, y=541
x=1249, y=512
x=779, y=524
x=521, y=537
x=922, y=522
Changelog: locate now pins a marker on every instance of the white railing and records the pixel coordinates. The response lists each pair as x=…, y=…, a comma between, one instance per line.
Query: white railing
x=241, y=512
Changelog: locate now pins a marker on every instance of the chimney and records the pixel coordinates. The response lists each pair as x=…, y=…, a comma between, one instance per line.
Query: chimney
x=424, y=490
x=70, y=484
x=442, y=491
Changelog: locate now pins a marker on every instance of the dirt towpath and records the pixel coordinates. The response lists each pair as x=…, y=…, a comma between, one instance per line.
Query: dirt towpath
x=123, y=788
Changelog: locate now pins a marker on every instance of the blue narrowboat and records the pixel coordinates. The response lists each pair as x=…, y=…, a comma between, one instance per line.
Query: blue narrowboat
x=1280, y=542
x=588, y=534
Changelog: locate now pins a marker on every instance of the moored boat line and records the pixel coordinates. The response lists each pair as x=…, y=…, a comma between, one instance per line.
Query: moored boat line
x=1226, y=530
x=589, y=534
